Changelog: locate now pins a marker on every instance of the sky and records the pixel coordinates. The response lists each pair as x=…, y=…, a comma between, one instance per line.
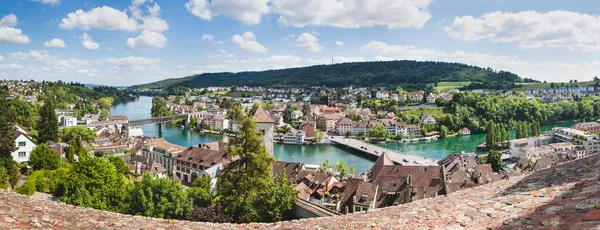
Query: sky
x=121, y=42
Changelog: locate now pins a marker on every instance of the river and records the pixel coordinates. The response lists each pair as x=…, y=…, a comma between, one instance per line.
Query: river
x=309, y=154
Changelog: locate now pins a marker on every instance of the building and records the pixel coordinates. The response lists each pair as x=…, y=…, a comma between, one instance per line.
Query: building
x=382, y=94
x=416, y=96
x=160, y=151
x=344, y=126
x=214, y=110
x=203, y=160
x=465, y=131
x=590, y=142
x=266, y=126
x=291, y=169
x=294, y=137
x=218, y=123
x=134, y=132
x=309, y=128
x=428, y=118
x=431, y=98
x=592, y=127
x=395, y=97
x=68, y=121
x=24, y=144
x=326, y=122
x=296, y=114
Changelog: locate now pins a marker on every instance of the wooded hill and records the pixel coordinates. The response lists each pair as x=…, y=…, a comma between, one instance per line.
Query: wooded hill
x=407, y=74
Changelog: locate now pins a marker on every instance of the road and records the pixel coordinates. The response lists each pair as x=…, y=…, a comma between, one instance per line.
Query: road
x=374, y=150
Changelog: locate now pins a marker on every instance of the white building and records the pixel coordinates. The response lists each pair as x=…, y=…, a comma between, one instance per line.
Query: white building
x=431, y=98
x=68, y=121
x=428, y=119
x=265, y=124
x=294, y=137
x=202, y=160
x=218, y=123
x=162, y=152
x=134, y=132
x=382, y=94
x=214, y=110
x=24, y=145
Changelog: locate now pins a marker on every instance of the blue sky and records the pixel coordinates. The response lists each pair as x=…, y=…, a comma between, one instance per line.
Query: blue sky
x=130, y=42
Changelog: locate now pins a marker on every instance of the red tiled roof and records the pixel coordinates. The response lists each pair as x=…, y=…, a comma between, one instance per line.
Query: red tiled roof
x=262, y=116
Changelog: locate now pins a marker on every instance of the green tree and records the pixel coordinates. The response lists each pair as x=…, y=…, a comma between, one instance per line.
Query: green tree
x=94, y=183
x=159, y=107
x=48, y=124
x=245, y=187
x=158, y=197
x=120, y=166
x=443, y=131
x=495, y=159
x=378, y=132
x=105, y=103
x=200, y=192
x=82, y=132
x=318, y=136
x=341, y=167
x=44, y=158
x=279, y=199
x=325, y=167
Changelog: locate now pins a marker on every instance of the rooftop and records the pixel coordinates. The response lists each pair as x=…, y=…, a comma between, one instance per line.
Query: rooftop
x=565, y=196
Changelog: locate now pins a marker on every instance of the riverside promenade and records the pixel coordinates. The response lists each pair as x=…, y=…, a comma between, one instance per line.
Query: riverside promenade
x=376, y=151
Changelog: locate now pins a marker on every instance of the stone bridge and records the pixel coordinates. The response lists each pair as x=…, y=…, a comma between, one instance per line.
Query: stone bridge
x=153, y=120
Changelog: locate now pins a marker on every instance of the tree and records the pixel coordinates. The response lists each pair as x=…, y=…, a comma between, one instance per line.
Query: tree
x=306, y=109
x=105, y=103
x=7, y=134
x=82, y=132
x=76, y=148
x=361, y=134
x=44, y=158
x=94, y=183
x=318, y=136
x=287, y=114
x=200, y=192
x=495, y=159
x=120, y=166
x=48, y=124
x=245, y=187
x=378, y=132
x=341, y=167
x=158, y=197
x=348, y=134
x=443, y=131
x=325, y=167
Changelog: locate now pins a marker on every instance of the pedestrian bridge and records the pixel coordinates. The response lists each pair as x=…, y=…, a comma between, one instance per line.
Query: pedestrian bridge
x=152, y=120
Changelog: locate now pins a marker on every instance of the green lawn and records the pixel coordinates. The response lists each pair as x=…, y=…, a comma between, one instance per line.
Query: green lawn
x=436, y=112
x=215, y=93
x=239, y=94
x=525, y=86
x=445, y=86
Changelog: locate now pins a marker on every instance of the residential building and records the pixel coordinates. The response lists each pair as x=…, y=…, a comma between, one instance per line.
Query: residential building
x=24, y=144
x=160, y=151
x=395, y=97
x=266, y=126
x=296, y=114
x=431, y=98
x=592, y=127
x=428, y=118
x=309, y=128
x=416, y=96
x=590, y=142
x=218, y=123
x=291, y=169
x=344, y=126
x=203, y=160
x=315, y=186
x=215, y=110
x=382, y=94
x=326, y=122
x=68, y=121
x=294, y=137
x=139, y=165
x=465, y=131
x=402, y=97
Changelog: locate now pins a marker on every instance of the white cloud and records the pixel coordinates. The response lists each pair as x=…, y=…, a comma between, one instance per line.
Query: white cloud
x=55, y=43
x=14, y=35
x=182, y=66
x=1, y=58
x=8, y=20
x=35, y=55
x=353, y=13
x=88, y=43
x=147, y=40
x=247, y=41
x=411, y=52
x=50, y=2
x=339, y=43
x=12, y=66
x=133, y=62
x=10, y=34
x=100, y=18
x=335, y=60
x=284, y=59
x=288, y=37
x=208, y=37
x=531, y=29
x=139, y=2
x=154, y=24
x=222, y=53
x=154, y=10
x=247, y=11
x=219, y=42
x=310, y=41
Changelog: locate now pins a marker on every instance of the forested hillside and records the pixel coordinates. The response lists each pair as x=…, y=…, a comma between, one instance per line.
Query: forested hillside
x=367, y=74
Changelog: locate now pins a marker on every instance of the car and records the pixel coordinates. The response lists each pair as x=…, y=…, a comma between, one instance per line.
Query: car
x=376, y=151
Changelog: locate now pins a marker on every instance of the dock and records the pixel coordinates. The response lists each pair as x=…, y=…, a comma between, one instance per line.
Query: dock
x=376, y=151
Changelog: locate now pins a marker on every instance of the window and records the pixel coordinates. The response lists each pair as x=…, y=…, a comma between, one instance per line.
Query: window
x=22, y=143
x=22, y=154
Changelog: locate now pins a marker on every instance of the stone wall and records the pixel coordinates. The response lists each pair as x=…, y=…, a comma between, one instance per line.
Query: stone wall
x=566, y=197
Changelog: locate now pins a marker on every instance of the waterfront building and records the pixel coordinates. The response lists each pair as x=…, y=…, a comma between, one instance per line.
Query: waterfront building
x=428, y=118
x=465, y=131
x=294, y=137
x=203, y=160
x=265, y=125
x=309, y=128
x=590, y=142
x=215, y=110
x=160, y=151
x=592, y=127
x=218, y=123
x=326, y=122
x=24, y=144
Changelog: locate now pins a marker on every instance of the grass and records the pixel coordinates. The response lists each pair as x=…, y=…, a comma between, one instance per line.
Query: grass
x=436, y=112
x=525, y=86
x=445, y=86
x=239, y=94
x=215, y=93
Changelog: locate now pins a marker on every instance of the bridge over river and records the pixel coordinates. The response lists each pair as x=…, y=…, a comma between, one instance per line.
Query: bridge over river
x=374, y=150
x=152, y=120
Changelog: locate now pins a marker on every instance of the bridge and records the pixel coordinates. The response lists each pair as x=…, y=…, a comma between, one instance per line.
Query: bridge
x=374, y=150
x=152, y=120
